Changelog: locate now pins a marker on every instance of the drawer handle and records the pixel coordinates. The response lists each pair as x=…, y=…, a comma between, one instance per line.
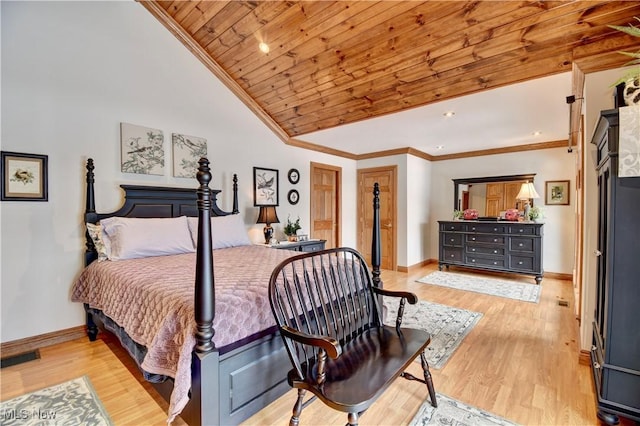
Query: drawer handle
x=495, y=263
x=495, y=240
x=473, y=260
x=520, y=245
x=453, y=255
x=452, y=240
x=520, y=263
x=473, y=238
x=495, y=229
x=452, y=228
x=473, y=249
x=495, y=251
x=521, y=230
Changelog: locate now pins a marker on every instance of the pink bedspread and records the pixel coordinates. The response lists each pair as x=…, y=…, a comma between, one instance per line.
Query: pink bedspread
x=152, y=299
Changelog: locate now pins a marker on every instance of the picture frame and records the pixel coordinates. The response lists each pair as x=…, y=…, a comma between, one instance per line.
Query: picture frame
x=24, y=177
x=265, y=187
x=293, y=176
x=556, y=192
x=293, y=197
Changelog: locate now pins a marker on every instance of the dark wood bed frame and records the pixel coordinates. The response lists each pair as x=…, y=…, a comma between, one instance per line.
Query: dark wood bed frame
x=228, y=388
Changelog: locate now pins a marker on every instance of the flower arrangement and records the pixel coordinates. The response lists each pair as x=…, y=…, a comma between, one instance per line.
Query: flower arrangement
x=535, y=213
x=458, y=214
x=291, y=228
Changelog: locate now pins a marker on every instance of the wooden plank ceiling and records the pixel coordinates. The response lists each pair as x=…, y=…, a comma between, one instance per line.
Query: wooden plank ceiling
x=337, y=62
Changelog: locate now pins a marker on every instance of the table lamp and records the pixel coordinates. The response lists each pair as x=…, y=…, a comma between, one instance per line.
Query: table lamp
x=268, y=216
x=527, y=192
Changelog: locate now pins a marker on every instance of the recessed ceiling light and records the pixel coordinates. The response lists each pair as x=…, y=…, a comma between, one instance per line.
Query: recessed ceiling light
x=449, y=114
x=537, y=133
x=264, y=47
x=439, y=147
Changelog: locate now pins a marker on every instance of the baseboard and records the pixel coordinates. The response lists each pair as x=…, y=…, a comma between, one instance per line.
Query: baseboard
x=558, y=276
x=416, y=266
x=584, y=358
x=28, y=344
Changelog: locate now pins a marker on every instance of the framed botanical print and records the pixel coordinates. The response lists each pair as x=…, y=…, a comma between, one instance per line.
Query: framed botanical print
x=265, y=187
x=556, y=192
x=24, y=177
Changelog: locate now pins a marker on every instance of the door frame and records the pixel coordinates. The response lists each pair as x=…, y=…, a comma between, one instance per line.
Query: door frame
x=338, y=200
x=367, y=198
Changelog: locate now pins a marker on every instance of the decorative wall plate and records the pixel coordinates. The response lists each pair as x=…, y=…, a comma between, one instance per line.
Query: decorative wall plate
x=293, y=197
x=294, y=176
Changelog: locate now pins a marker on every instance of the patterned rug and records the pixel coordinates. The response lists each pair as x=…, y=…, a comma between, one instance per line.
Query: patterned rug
x=70, y=403
x=456, y=413
x=447, y=325
x=480, y=284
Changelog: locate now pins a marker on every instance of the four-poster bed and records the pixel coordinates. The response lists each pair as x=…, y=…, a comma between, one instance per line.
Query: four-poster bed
x=226, y=366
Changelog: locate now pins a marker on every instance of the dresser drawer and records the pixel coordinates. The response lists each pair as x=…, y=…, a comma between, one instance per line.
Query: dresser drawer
x=313, y=247
x=485, y=261
x=491, y=239
x=449, y=239
x=451, y=254
x=486, y=228
x=524, y=263
x=521, y=244
x=484, y=250
x=522, y=230
x=450, y=226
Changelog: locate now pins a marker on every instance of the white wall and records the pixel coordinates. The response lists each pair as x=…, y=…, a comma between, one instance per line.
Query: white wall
x=71, y=72
x=548, y=164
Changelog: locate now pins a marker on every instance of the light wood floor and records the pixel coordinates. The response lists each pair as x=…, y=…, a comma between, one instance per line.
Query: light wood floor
x=519, y=362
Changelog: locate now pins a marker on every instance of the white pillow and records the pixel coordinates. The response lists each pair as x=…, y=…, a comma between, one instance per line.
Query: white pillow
x=132, y=238
x=226, y=231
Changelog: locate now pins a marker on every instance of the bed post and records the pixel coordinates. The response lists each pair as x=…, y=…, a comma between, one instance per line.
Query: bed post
x=89, y=256
x=204, y=367
x=235, y=194
x=375, y=240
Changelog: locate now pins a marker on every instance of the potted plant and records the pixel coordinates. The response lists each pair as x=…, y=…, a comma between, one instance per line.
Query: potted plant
x=535, y=214
x=291, y=228
x=457, y=214
x=631, y=79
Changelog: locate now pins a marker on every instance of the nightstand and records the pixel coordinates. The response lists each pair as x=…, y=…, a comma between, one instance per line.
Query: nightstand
x=306, y=246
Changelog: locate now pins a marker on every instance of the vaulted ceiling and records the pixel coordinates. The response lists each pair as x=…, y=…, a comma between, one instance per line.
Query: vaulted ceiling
x=332, y=63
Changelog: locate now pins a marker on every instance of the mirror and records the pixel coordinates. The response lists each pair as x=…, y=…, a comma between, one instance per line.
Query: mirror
x=491, y=196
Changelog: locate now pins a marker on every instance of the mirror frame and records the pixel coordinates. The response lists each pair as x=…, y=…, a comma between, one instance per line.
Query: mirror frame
x=490, y=179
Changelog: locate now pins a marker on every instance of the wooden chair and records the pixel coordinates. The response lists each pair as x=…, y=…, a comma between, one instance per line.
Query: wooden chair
x=324, y=304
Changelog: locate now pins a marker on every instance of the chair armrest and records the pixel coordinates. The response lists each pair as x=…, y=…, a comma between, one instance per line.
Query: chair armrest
x=411, y=297
x=329, y=344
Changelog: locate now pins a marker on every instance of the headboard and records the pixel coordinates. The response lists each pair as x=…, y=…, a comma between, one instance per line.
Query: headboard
x=150, y=201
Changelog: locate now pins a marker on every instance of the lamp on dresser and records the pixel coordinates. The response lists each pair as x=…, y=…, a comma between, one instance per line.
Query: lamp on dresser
x=527, y=192
x=268, y=216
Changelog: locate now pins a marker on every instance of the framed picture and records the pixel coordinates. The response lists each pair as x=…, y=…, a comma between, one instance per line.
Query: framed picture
x=556, y=192
x=142, y=149
x=187, y=150
x=265, y=187
x=24, y=177
x=293, y=176
x=293, y=197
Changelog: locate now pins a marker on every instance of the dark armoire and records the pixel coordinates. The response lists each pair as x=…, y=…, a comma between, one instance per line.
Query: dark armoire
x=615, y=354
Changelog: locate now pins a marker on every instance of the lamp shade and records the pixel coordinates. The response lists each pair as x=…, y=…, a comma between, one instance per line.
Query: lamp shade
x=268, y=215
x=527, y=191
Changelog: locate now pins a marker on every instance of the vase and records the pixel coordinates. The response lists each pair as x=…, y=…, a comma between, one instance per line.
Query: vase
x=292, y=238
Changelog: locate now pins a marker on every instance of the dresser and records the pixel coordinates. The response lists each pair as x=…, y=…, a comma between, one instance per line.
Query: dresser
x=615, y=353
x=306, y=246
x=496, y=246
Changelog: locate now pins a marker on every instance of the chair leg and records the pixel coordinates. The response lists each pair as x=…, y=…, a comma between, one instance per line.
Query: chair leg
x=352, y=419
x=428, y=380
x=297, y=408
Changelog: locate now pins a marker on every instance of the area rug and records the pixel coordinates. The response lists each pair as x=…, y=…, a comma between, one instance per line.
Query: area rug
x=70, y=403
x=479, y=284
x=455, y=413
x=447, y=325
